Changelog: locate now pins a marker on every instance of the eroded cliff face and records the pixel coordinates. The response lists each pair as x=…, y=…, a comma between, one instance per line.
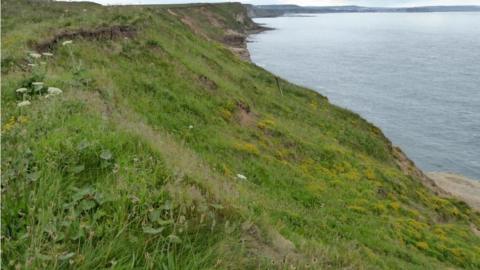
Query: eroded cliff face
x=232, y=31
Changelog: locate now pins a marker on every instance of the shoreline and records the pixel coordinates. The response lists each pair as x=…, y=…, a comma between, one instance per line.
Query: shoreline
x=458, y=186
x=444, y=184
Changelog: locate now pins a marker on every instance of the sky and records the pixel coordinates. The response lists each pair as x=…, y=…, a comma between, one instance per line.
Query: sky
x=374, y=3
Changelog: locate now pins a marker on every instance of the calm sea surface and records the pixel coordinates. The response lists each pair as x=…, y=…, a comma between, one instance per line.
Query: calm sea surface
x=416, y=76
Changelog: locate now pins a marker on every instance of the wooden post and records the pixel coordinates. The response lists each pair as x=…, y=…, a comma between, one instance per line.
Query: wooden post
x=278, y=85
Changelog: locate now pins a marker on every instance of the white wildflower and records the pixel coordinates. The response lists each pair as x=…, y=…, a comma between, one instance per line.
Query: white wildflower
x=53, y=91
x=241, y=177
x=47, y=54
x=67, y=42
x=24, y=103
x=21, y=90
x=35, y=55
x=190, y=127
x=37, y=85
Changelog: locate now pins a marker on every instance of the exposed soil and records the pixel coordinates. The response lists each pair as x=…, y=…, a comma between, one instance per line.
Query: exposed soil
x=458, y=186
x=408, y=167
x=237, y=43
x=244, y=115
x=475, y=230
x=103, y=33
x=207, y=83
x=191, y=24
x=243, y=53
x=212, y=18
x=279, y=250
x=234, y=39
x=244, y=107
x=442, y=184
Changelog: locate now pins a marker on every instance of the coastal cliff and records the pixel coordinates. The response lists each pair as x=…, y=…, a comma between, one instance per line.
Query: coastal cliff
x=139, y=137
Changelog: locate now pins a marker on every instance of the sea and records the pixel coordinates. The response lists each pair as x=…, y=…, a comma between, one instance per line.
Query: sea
x=414, y=75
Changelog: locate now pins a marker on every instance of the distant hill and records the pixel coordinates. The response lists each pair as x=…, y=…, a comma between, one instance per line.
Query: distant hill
x=280, y=10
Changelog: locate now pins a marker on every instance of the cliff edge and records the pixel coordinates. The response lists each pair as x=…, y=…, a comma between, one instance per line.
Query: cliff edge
x=136, y=137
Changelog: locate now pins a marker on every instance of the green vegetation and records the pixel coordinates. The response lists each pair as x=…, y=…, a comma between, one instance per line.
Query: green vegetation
x=139, y=163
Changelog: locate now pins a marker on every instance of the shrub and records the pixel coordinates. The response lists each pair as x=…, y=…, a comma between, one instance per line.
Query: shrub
x=248, y=148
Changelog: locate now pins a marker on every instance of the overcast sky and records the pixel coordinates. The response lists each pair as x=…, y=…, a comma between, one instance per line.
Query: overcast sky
x=377, y=3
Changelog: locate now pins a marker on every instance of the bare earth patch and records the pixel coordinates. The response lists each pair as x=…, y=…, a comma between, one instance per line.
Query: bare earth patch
x=408, y=167
x=278, y=249
x=458, y=186
x=244, y=115
x=102, y=33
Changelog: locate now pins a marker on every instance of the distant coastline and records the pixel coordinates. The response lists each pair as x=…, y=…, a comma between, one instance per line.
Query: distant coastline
x=258, y=11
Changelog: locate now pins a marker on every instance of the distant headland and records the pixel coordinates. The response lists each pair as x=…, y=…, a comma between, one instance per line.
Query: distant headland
x=281, y=10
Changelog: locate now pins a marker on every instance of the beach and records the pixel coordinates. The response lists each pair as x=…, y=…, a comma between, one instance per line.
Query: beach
x=459, y=187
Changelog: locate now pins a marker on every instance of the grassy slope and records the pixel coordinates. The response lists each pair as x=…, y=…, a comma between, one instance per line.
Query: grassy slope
x=110, y=174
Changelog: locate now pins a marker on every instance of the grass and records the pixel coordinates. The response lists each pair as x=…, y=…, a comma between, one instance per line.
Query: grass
x=135, y=164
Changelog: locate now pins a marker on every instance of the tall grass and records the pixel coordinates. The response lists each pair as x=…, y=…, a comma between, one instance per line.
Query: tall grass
x=135, y=165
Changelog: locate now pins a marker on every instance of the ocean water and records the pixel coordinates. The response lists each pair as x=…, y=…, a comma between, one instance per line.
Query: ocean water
x=416, y=76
